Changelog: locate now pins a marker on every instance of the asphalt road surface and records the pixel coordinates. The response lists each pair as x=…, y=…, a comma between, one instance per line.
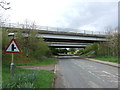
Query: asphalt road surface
x=80, y=73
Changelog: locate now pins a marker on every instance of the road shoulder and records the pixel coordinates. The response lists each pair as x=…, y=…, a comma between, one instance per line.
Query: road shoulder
x=58, y=79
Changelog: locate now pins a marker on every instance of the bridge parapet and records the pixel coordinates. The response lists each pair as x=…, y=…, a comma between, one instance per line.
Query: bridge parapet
x=56, y=30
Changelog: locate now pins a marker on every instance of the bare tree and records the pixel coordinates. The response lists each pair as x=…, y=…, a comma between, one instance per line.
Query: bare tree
x=4, y=5
x=110, y=48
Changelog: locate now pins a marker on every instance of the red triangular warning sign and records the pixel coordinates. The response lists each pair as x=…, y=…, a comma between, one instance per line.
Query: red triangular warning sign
x=13, y=47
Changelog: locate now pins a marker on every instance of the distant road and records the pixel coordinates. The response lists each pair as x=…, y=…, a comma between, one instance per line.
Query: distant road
x=79, y=73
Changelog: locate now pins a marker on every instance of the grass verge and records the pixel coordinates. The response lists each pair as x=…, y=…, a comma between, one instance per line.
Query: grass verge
x=44, y=61
x=24, y=78
x=109, y=59
x=0, y=78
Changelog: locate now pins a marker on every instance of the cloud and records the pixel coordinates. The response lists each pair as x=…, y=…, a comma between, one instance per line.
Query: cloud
x=66, y=13
x=89, y=15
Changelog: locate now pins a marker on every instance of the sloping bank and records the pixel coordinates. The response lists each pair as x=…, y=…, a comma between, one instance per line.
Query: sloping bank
x=29, y=78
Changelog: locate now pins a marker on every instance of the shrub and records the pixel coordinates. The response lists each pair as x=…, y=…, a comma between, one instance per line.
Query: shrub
x=89, y=49
x=80, y=51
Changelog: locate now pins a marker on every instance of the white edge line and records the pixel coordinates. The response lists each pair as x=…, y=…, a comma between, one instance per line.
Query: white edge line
x=55, y=69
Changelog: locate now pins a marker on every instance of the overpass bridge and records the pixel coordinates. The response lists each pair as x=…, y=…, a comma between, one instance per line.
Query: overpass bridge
x=70, y=40
x=67, y=45
x=64, y=37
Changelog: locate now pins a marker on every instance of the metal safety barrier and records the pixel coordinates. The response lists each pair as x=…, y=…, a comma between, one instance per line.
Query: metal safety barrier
x=47, y=28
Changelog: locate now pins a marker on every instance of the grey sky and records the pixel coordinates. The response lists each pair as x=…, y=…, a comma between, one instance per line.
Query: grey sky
x=94, y=16
x=90, y=15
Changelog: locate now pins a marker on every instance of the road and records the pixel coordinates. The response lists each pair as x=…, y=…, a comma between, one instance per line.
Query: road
x=80, y=73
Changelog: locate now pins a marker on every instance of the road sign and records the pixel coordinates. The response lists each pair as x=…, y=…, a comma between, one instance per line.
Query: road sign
x=13, y=47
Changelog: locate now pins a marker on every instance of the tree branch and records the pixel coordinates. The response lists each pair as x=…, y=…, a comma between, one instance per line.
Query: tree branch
x=3, y=3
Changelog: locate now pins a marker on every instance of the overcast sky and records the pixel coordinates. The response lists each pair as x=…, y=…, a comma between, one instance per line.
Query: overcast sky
x=77, y=14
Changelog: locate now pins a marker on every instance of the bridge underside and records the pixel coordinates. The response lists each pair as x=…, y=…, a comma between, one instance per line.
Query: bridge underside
x=70, y=40
x=67, y=46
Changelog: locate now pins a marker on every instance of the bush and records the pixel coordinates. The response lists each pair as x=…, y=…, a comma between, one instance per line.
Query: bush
x=72, y=50
x=90, y=49
x=33, y=46
x=79, y=52
x=88, y=53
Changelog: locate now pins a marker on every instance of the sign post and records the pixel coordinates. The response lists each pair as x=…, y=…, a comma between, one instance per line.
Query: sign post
x=12, y=65
x=12, y=48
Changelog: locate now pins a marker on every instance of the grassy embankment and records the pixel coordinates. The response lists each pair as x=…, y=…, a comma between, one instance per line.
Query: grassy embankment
x=84, y=55
x=41, y=79
x=109, y=59
x=24, y=78
x=20, y=59
x=0, y=77
x=103, y=58
x=44, y=61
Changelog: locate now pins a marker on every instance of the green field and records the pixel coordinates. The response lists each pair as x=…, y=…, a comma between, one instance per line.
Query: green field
x=24, y=78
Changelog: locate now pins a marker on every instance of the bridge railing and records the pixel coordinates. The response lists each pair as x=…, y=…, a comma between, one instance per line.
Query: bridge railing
x=47, y=28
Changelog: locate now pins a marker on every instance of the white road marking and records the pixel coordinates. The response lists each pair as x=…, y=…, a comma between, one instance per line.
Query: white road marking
x=97, y=71
x=115, y=81
x=110, y=74
x=91, y=66
x=88, y=71
x=105, y=75
x=96, y=76
x=93, y=85
x=55, y=69
x=78, y=65
x=81, y=65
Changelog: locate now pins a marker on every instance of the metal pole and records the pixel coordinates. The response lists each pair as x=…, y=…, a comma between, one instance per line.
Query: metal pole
x=12, y=66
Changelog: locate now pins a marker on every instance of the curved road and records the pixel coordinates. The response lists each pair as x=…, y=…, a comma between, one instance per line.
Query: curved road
x=80, y=73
